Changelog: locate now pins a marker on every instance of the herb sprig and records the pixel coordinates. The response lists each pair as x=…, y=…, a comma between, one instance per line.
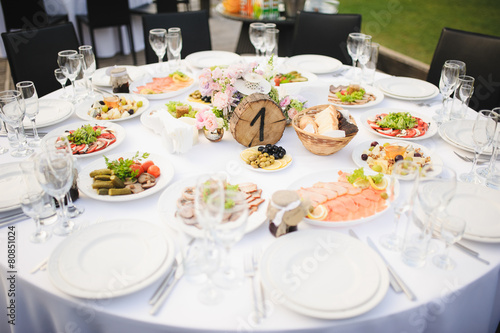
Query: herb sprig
x=121, y=167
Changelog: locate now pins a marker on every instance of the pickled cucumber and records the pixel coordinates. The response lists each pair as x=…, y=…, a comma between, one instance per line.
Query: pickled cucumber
x=100, y=172
x=119, y=191
x=98, y=184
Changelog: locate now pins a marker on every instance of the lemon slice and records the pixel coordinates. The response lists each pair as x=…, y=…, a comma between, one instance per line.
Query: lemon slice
x=380, y=186
x=319, y=213
x=275, y=166
x=287, y=159
x=361, y=183
x=245, y=154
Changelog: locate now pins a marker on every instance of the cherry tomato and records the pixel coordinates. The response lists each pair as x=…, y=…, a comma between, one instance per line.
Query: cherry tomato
x=277, y=81
x=154, y=170
x=137, y=167
x=147, y=164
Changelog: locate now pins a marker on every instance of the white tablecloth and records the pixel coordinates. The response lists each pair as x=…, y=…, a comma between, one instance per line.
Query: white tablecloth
x=466, y=299
x=107, y=39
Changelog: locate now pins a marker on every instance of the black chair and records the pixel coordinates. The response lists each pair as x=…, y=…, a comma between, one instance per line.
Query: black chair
x=480, y=54
x=28, y=14
x=324, y=34
x=32, y=54
x=104, y=14
x=160, y=6
x=194, y=29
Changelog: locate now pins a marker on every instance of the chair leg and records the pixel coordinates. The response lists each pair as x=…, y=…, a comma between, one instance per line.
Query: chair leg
x=132, y=47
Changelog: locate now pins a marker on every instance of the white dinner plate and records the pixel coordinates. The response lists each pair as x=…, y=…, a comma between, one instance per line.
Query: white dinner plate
x=458, y=133
x=433, y=128
x=293, y=88
x=317, y=64
x=360, y=148
x=119, y=133
x=205, y=59
x=83, y=108
x=332, y=176
x=101, y=76
x=147, y=79
x=407, y=88
x=345, y=277
x=379, y=97
x=110, y=259
x=11, y=176
x=50, y=112
x=167, y=207
x=85, y=181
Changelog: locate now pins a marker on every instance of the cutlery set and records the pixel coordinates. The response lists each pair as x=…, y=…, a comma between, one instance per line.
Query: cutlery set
x=251, y=265
x=470, y=159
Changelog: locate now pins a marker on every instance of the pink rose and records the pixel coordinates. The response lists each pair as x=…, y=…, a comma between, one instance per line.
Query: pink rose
x=211, y=123
x=221, y=100
x=285, y=101
x=292, y=113
x=200, y=119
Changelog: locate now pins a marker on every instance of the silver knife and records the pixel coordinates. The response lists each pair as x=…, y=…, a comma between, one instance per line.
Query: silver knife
x=411, y=296
x=179, y=272
x=471, y=253
x=394, y=284
x=164, y=283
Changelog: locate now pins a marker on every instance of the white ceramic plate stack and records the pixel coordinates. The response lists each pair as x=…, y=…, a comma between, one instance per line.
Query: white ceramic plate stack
x=205, y=59
x=407, y=88
x=317, y=64
x=10, y=176
x=167, y=207
x=101, y=76
x=85, y=181
x=111, y=259
x=344, y=277
x=458, y=133
x=50, y=112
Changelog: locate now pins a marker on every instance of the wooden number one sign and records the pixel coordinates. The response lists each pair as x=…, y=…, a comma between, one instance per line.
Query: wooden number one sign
x=257, y=120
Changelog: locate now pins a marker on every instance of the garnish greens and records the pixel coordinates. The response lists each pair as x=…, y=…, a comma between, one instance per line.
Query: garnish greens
x=121, y=166
x=181, y=74
x=84, y=135
x=359, y=174
x=171, y=107
x=352, y=97
x=398, y=120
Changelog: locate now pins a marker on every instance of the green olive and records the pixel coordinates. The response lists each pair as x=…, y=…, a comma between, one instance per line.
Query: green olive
x=377, y=168
x=139, y=104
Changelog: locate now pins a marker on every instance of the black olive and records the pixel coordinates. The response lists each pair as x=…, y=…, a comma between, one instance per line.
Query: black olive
x=283, y=151
x=265, y=150
x=417, y=155
x=364, y=157
x=268, y=146
x=130, y=112
x=101, y=102
x=261, y=148
x=374, y=144
x=398, y=158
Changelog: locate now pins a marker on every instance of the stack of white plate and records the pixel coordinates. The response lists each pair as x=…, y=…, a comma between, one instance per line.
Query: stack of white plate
x=330, y=275
x=317, y=64
x=458, y=133
x=407, y=88
x=11, y=176
x=110, y=259
x=206, y=59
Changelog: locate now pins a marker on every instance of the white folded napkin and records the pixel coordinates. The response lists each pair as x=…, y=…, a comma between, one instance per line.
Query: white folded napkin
x=179, y=137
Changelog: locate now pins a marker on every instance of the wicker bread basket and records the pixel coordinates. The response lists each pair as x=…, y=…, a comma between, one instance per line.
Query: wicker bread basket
x=316, y=143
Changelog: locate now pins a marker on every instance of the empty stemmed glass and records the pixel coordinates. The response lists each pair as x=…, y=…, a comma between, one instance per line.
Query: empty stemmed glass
x=62, y=79
x=447, y=84
x=271, y=38
x=485, y=171
x=54, y=171
x=407, y=170
x=256, y=33
x=174, y=42
x=483, y=132
x=364, y=52
x=62, y=61
x=12, y=113
x=30, y=99
x=88, y=67
x=158, y=42
x=227, y=232
x=354, y=42
x=463, y=93
x=177, y=57
x=451, y=229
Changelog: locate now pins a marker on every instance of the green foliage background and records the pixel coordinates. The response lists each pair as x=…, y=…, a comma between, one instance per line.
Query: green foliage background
x=413, y=27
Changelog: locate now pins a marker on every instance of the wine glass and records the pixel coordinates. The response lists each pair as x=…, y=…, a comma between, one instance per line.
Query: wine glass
x=256, y=32
x=62, y=79
x=409, y=171
x=227, y=232
x=30, y=97
x=463, y=93
x=447, y=83
x=63, y=59
x=32, y=204
x=271, y=37
x=12, y=112
x=364, y=52
x=88, y=67
x=485, y=171
x=483, y=132
x=158, y=42
x=174, y=42
x=54, y=171
x=177, y=59
x=452, y=229
x=354, y=41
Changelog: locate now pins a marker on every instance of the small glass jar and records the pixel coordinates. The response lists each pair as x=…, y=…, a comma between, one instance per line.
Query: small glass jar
x=119, y=80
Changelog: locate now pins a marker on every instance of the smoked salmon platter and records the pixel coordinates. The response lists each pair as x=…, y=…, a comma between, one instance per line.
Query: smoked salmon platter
x=336, y=202
x=168, y=86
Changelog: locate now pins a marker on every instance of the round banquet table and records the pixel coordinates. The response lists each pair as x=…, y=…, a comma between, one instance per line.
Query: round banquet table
x=466, y=299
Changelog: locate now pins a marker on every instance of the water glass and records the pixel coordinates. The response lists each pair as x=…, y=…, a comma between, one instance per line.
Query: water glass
x=62, y=79
x=12, y=112
x=490, y=169
x=371, y=65
x=447, y=83
x=88, y=67
x=30, y=101
x=271, y=37
x=256, y=32
x=32, y=205
x=461, y=98
x=354, y=41
x=62, y=61
x=364, y=52
x=158, y=42
x=174, y=42
x=452, y=229
x=177, y=58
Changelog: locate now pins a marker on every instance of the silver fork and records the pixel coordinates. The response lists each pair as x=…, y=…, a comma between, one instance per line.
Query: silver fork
x=250, y=273
x=257, y=253
x=468, y=159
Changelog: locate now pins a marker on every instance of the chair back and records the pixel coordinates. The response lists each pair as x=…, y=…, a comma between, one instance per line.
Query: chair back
x=324, y=34
x=481, y=54
x=24, y=14
x=108, y=13
x=194, y=29
x=32, y=54
x=166, y=6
